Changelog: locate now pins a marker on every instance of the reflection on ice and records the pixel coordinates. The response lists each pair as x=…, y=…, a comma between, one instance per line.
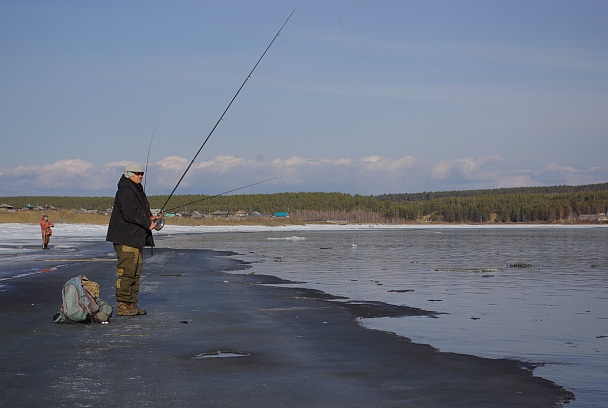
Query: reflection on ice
x=294, y=238
x=470, y=270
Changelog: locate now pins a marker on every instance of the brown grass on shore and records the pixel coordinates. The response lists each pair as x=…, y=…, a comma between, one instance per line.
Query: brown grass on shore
x=71, y=217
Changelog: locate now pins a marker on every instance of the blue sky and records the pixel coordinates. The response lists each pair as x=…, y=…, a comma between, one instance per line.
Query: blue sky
x=360, y=97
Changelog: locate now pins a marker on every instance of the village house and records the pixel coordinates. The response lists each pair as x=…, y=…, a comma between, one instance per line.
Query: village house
x=600, y=217
x=196, y=215
x=6, y=207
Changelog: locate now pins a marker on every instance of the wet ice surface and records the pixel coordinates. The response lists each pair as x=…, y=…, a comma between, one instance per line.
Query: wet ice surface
x=21, y=250
x=536, y=294
x=220, y=354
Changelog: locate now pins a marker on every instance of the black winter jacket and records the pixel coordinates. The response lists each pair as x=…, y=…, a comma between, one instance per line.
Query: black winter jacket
x=130, y=219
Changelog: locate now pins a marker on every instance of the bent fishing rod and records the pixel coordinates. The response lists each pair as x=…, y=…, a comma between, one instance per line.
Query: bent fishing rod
x=220, y=194
x=148, y=159
x=160, y=222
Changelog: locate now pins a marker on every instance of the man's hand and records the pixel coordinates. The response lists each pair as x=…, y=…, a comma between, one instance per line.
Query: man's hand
x=153, y=224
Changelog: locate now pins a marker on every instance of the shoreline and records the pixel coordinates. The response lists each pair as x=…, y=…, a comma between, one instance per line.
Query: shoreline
x=289, y=346
x=70, y=217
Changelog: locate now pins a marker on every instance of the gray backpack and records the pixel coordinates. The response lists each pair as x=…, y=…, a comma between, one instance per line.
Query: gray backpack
x=81, y=303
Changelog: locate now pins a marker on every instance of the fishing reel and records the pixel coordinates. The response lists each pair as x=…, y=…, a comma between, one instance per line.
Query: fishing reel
x=160, y=223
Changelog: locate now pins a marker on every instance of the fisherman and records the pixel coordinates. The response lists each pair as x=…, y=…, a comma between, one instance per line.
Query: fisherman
x=130, y=230
x=45, y=228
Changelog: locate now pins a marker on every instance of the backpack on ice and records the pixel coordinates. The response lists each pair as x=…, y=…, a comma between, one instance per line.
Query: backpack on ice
x=81, y=302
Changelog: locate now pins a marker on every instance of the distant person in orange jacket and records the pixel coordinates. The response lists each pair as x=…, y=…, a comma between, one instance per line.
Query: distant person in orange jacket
x=45, y=227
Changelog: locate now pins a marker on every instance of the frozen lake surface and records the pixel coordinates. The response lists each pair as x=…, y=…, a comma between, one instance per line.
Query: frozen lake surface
x=532, y=293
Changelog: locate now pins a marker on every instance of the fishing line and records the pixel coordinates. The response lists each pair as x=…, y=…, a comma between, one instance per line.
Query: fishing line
x=217, y=195
x=222, y=116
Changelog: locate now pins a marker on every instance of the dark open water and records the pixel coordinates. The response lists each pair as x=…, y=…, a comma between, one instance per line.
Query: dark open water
x=534, y=294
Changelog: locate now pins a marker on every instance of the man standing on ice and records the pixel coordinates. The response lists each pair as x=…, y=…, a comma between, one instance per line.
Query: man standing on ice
x=130, y=230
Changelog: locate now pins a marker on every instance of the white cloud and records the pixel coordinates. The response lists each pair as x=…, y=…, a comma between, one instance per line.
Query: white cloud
x=556, y=174
x=225, y=164
x=173, y=163
x=366, y=175
x=468, y=168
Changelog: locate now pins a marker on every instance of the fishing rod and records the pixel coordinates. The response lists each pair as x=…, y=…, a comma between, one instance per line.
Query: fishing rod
x=160, y=222
x=217, y=195
x=148, y=159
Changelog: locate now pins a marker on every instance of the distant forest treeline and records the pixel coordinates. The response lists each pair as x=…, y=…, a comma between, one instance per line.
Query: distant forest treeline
x=527, y=204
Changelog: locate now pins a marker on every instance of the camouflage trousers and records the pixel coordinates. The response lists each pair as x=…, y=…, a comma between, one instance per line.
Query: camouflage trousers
x=129, y=268
x=46, y=238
